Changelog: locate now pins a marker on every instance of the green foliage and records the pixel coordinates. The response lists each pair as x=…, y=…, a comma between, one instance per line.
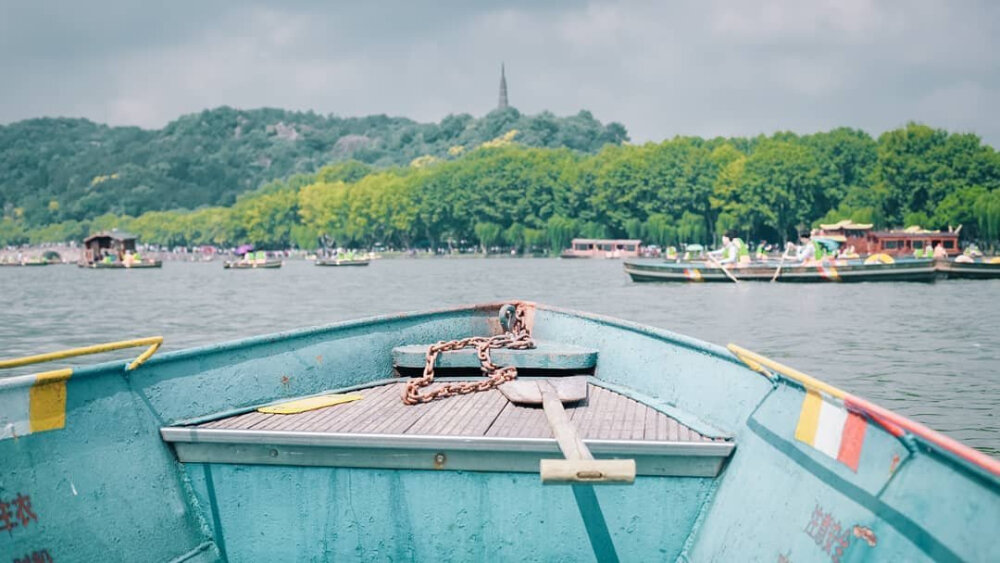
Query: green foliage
x=988, y=215
x=497, y=191
x=916, y=219
x=488, y=234
x=73, y=169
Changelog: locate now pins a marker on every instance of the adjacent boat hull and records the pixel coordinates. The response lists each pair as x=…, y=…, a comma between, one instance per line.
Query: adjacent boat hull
x=335, y=262
x=96, y=465
x=901, y=270
x=121, y=265
x=269, y=265
x=970, y=270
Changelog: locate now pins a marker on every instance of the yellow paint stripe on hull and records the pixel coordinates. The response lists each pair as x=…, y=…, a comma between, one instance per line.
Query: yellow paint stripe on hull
x=47, y=401
x=805, y=431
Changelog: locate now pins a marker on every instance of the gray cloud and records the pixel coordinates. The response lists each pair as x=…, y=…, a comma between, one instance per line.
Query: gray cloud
x=661, y=68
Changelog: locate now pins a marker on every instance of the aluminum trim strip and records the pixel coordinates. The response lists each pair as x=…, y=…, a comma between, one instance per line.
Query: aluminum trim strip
x=416, y=442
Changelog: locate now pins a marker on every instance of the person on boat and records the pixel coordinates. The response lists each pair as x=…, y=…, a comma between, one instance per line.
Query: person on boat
x=939, y=252
x=733, y=250
x=671, y=253
x=848, y=253
x=761, y=251
x=809, y=251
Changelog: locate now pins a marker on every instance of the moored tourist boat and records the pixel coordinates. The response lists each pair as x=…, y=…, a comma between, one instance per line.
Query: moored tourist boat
x=336, y=443
x=333, y=261
x=602, y=248
x=904, y=269
x=253, y=261
x=27, y=262
x=342, y=262
x=114, y=250
x=972, y=269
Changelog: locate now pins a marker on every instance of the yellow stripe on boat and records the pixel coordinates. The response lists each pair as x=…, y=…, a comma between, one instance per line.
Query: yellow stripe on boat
x=312, y=403
x=809, y=418
x=47, y=401
x=807, y=381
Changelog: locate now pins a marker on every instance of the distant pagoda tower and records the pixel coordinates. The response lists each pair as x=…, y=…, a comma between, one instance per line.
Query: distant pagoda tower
x=503, y=89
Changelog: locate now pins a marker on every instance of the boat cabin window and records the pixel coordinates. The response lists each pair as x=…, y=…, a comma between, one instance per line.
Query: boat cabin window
x=630, y=247
x=949, y=244
x=581, y=246
x=605, y=247
x=890, y=244
x=918, y=244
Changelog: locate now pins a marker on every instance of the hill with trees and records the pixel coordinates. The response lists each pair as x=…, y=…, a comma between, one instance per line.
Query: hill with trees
x=54, y=170
x=687, y=189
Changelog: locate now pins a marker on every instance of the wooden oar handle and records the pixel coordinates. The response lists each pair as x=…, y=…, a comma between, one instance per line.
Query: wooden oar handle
x=556, y=471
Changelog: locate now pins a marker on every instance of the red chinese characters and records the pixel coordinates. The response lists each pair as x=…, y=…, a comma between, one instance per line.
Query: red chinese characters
x=16, y=512
x=41, y=556
x=828, y=533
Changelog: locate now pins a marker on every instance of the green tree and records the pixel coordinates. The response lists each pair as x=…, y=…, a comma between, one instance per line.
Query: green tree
x=488, y=234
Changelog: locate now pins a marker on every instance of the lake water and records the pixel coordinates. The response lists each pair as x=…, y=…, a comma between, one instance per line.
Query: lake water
x=929, y=351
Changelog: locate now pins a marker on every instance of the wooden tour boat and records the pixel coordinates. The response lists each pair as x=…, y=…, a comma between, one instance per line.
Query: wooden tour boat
x=335, y=261
x=113, y=250
x=253, y=261
x=337, y=443
x=984, y=268
x=894, y=243
x=36, y=261
x=602, y=248
x=887, y=269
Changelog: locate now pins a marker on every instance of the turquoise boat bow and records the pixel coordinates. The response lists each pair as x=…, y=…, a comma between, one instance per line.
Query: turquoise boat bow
x=210, y=454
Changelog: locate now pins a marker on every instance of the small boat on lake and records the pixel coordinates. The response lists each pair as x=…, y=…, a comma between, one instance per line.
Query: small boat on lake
x=602, y=248
x=258, y=260
x=48, y=258
x=970, y=269
x=887, y=269
x=114, y=250
x=541, y=434
x=330, y=257
x=334, y=261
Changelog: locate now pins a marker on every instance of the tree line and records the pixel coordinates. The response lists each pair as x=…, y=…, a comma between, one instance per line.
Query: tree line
x=55, y=170
x=683, y=190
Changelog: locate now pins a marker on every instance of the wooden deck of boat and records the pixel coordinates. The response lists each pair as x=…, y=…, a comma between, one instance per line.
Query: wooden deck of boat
x=605, y=415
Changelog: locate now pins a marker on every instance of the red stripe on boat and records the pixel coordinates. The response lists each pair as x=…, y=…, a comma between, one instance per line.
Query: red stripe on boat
x=852, y=440
x=892, y=421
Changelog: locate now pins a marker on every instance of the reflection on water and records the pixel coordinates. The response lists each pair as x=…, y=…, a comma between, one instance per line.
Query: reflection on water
x=931, y=352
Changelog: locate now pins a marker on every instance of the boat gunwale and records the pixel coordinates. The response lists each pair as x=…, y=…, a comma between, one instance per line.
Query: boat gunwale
x=173, y=434
x=686, y=342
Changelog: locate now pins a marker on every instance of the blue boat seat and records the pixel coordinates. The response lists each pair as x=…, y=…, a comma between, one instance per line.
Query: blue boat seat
x=544, y=356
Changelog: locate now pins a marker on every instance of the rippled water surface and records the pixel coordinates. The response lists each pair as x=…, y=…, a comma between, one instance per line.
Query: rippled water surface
x=929, y=351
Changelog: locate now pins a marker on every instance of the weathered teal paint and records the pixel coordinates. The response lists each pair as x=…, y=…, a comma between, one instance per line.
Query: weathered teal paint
x=271, y=513
x=545, y=355
x=107, y=487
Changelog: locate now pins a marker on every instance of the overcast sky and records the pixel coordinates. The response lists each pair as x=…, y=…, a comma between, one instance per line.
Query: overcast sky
x=661, y=68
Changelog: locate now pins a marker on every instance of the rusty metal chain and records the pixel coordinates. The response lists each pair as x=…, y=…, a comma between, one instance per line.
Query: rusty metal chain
x=517, y=337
